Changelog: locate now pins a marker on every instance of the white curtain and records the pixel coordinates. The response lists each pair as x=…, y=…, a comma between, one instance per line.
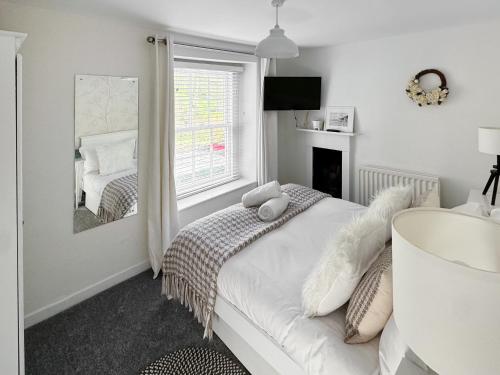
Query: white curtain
x=163, y=217
x=267, y=132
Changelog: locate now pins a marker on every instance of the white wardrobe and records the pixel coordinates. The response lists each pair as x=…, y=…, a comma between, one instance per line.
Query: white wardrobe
x=11, y=239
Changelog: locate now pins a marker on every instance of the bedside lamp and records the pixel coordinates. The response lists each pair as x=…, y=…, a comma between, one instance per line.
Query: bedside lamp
x=489, y=143
x=446, y=277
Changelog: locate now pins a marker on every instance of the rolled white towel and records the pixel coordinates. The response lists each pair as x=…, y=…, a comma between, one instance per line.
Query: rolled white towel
x=261, y=194
x=273, y=208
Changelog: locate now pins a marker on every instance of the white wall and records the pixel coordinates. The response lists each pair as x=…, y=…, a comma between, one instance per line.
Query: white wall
x=61, y=268
x=395, y=132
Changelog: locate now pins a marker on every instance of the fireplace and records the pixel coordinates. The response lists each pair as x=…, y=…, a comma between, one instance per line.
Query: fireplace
x=327, y=171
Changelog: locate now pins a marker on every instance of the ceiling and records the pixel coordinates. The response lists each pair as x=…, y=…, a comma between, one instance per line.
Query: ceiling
x=308, y=22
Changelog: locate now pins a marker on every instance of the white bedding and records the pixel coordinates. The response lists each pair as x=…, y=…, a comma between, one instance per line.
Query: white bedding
x=94, y=184
x=264, y=282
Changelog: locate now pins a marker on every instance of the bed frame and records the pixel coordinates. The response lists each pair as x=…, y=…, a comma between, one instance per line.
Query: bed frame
x=255, y=349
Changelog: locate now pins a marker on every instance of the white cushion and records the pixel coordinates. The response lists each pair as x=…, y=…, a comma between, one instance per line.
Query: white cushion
x=389, y=202
x=261, y=194
x=273, y=208
x=346, y=258
x=90, y=161
x=115, y=157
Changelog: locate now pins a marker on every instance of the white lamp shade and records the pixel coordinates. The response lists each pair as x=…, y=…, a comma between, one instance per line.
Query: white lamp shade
x=447, y=289
x=277, y=45
x=489, y=140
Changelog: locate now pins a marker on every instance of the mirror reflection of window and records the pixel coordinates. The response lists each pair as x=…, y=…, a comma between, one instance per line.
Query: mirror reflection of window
x=106, y=142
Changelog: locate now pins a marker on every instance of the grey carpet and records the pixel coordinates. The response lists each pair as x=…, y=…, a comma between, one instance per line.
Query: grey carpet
x=119, y=331
x=84, y=219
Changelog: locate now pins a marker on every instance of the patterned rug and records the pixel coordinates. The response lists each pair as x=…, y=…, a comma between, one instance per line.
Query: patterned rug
x=194, y=361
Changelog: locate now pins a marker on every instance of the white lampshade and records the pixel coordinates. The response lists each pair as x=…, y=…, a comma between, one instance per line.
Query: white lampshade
x=447, y=289
x=489, y=140
x=277, y=45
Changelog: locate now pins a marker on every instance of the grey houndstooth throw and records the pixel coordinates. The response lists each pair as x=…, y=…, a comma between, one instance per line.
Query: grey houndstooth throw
x=118, y=198
x=192, y=263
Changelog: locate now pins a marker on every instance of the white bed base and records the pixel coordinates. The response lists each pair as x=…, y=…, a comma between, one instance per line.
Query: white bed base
x=255, y=349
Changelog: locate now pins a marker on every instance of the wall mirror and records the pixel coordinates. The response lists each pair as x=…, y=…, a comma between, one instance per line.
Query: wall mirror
x=106, y=157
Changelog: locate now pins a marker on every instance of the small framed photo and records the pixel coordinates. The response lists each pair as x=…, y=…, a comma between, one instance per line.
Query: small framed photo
x=339, y=119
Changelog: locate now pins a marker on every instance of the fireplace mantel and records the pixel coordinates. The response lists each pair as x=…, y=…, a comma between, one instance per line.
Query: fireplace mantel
x=332, y=141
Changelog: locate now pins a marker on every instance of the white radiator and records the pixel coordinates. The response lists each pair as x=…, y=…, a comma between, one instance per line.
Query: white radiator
x=373, y=179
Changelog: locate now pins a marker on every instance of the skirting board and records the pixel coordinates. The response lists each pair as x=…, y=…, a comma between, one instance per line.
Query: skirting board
x=46, y=312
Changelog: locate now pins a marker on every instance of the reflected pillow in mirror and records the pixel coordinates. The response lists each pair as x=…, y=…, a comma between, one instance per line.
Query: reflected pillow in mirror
x=115, y=157
x=90, y=162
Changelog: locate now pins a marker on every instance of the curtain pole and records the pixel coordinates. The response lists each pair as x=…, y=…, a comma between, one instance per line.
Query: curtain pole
x=152, y=40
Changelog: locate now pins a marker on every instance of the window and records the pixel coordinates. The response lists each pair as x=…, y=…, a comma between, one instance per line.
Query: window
x=206, y=126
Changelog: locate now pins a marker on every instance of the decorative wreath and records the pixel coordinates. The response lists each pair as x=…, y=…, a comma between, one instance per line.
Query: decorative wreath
x=435, y=96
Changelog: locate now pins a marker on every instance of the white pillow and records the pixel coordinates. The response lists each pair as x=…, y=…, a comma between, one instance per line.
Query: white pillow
x=495, y=214
x=472, y=208
x=90, y=161
x=346, y=258
x=394, y=354
x=428, y=199
x=115, y=157
x=389, y=202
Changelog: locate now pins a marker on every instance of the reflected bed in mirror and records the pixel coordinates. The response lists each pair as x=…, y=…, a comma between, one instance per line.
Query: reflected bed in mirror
x=106, y=157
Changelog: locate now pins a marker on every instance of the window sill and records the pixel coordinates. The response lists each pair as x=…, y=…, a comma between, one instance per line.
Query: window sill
x=214, y=193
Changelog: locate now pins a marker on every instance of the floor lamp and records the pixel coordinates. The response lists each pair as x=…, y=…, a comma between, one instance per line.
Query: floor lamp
x=489, y=143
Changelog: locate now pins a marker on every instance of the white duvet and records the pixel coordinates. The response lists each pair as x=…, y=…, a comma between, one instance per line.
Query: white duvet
x=264, y=282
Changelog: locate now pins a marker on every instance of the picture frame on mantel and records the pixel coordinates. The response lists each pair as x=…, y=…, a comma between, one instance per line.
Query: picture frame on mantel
x=339, y=119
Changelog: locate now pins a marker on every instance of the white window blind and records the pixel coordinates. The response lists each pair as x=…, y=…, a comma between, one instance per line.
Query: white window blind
x=206, y=126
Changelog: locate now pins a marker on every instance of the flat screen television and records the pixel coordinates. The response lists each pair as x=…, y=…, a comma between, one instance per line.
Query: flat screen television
x=292, y=93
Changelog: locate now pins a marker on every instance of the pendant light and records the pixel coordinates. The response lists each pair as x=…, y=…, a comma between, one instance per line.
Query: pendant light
x=277, y=45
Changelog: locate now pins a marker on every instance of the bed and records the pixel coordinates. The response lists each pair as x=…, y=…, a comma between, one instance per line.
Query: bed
x=94, y=184
x=116, y=188
x=258, y=310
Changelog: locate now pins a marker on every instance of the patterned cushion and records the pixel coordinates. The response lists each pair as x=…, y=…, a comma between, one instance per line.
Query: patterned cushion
x=371, y=303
